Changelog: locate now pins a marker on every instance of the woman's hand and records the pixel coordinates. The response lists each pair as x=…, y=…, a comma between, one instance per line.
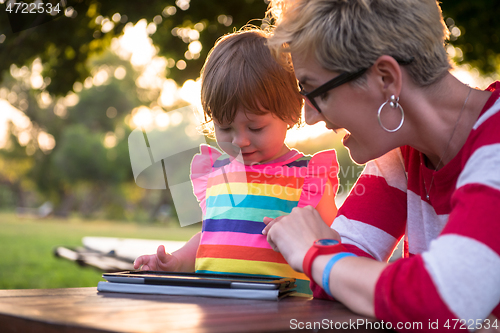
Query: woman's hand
x=294, y=234
x=161, y=261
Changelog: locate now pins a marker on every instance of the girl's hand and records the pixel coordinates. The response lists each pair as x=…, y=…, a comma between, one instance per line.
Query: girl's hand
x=161, y=261
x=294, y=234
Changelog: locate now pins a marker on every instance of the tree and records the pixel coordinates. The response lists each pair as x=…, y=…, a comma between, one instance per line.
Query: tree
x=479, y=32
x=80, y=170
x=15, y=166
x=68, y=47
x=86, y=27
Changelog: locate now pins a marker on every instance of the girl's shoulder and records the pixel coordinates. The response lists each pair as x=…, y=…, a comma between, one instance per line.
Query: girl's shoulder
x=210, y=157
x=222, y=160
x=321, y=165
x=320, y=180
x=325, y=157
x=297, y=159
x=202, y=164
x=322, y=158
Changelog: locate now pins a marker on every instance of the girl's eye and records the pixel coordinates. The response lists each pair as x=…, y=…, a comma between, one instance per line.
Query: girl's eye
x=256, y=129
x=225, y=129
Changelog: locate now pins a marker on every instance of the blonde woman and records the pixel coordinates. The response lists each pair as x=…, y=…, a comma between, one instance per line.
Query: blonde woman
x=379, y=70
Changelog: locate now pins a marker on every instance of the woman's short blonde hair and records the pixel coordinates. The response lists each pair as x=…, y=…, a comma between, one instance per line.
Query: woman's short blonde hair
x=240, y=71
x=347, y=35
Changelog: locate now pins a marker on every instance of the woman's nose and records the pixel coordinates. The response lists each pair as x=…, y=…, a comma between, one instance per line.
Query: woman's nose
x=312, y=116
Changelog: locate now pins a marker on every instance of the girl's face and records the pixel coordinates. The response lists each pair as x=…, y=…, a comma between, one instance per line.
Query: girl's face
x=252, y=138
x=347, y=107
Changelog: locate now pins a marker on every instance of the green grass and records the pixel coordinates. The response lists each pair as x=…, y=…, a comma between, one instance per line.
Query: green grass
x=27, y=258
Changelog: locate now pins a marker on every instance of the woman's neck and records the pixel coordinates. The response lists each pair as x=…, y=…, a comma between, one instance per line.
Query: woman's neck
x=441, y=118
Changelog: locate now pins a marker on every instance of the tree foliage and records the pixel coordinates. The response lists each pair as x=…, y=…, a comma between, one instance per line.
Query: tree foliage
x=64, y=44
x=479, y=34
x=81, y=161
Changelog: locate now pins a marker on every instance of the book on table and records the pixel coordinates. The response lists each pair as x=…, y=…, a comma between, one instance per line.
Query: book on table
x=197, y=284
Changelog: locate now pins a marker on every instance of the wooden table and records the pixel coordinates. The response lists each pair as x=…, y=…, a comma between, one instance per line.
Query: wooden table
x=84, y=310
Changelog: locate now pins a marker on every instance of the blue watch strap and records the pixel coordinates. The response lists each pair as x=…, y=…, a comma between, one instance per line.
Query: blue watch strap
x=328, y=268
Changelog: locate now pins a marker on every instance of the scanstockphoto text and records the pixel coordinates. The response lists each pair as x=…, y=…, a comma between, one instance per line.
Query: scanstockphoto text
x=364, y=324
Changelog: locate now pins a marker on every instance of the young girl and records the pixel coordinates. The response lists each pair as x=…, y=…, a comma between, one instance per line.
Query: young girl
x=252, y=101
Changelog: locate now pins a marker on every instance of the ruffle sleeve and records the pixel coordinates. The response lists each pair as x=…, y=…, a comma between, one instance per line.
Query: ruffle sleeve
x=322, y=167
x=201, y=167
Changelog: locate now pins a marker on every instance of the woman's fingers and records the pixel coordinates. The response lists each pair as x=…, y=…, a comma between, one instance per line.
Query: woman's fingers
x=292, y=235
x=267, y=220
x=270, y=241
x=269, y=223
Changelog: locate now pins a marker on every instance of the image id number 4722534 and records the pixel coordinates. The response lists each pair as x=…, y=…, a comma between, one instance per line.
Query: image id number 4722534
x=37, y=7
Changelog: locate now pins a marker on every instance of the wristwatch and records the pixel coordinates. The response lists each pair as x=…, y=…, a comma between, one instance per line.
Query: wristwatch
x=320, y=247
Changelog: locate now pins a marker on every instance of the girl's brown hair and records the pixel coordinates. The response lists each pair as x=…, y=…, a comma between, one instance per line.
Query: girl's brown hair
x=241, y=72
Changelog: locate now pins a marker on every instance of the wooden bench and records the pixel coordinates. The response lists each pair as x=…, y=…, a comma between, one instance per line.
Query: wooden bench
x=110, y=254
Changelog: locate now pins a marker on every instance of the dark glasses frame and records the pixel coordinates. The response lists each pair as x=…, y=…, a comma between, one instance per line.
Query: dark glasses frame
x=337, y=81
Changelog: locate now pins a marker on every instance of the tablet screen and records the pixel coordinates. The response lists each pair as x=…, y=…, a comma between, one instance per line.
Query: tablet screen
x=200, y=280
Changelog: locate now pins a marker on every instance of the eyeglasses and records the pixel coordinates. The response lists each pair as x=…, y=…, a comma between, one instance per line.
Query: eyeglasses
x=335, y=82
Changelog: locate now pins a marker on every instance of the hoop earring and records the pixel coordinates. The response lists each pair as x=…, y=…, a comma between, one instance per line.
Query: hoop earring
x=394, y=103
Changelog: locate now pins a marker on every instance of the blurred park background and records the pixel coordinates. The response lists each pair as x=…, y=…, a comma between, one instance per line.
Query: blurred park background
x=75, y=84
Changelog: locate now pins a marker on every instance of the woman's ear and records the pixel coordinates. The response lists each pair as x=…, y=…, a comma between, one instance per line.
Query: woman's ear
x=388, y=75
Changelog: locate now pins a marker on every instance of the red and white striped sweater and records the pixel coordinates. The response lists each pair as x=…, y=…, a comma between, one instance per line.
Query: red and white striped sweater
x=451, y=265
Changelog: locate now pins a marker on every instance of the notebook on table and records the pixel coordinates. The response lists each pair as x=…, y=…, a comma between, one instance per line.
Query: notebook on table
x=197, y=284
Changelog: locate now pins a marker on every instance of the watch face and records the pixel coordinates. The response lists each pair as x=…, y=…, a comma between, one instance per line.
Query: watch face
x=327, y=242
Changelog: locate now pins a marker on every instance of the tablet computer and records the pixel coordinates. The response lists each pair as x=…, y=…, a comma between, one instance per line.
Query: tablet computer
x=204, y=280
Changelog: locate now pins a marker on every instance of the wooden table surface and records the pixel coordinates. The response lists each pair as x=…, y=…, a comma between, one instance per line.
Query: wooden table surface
x=84, y=310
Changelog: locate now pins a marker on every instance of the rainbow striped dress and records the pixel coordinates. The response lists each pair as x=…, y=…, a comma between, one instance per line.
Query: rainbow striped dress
x=234, y=199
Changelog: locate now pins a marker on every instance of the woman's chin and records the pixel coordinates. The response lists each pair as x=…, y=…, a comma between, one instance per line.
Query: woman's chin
x=358, y=157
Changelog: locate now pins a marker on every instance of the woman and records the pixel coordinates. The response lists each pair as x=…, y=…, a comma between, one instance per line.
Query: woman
x=379, y=70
